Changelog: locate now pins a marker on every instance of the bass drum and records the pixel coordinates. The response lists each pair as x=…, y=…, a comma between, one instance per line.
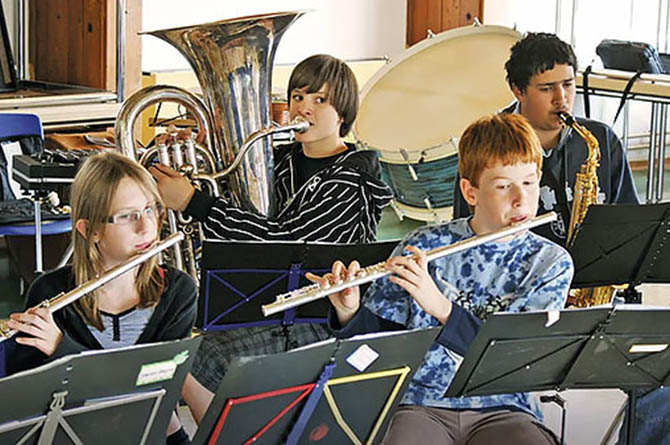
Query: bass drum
x=415, y=108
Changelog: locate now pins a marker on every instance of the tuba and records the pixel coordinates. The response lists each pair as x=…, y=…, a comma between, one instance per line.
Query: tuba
x=232, y=60
x=585, y=195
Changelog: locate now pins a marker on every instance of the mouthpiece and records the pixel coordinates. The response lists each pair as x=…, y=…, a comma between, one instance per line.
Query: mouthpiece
x=299, y=125
x=566, y=118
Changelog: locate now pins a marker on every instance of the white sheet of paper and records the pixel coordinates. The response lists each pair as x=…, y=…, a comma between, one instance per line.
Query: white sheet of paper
x=552, y=317
x=362, y=357
x=10, y=149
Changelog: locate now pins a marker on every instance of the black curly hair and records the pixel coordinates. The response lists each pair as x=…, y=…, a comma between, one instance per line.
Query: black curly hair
x=536, y=53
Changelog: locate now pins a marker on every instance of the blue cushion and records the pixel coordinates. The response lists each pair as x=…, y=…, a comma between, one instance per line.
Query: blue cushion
x=48, y=228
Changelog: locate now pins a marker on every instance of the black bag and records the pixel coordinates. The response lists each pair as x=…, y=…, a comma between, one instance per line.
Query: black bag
x=624, y=55
x=29, y=145
x=631, y=56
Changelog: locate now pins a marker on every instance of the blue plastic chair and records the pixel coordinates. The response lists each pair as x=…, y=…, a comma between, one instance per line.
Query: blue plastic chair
x=16, y=125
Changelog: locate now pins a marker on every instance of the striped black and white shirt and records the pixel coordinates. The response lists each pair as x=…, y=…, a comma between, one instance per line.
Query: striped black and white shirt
x=340, y=203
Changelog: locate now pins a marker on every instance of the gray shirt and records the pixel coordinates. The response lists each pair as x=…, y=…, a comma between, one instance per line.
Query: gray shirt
x=122, y=329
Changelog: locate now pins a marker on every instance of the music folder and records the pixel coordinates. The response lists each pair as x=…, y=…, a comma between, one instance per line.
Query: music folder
x=124, y=395
x=238, y=277
x=622, y=244
x=621, y=346
x=332, y=392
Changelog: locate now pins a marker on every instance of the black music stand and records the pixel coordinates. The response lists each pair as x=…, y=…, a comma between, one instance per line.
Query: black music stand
x=623, y=243
x=621, y=346
x=238, y=277
x=127, y=394
x=338, y=391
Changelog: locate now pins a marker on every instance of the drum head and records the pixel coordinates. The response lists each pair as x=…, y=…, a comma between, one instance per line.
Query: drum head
x=435, y=90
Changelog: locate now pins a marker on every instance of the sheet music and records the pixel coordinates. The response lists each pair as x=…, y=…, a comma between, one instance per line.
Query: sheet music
x=11, y=149
x=93, y=352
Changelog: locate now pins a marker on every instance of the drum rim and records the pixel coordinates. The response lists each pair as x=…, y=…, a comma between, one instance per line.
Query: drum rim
x=428, y=154
x=430, y=41
x=423, y=213
x=410, y=52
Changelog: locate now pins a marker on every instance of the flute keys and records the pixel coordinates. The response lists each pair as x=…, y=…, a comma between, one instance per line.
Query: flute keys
x=4, y=329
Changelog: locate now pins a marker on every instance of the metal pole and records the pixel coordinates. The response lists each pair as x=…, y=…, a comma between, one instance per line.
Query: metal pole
x=572, y=23
x=652, y=153
x=21, y=39
x=120, y=47
x=663, y=117
x=38, y=234
x=626, y=125
x=658, y=24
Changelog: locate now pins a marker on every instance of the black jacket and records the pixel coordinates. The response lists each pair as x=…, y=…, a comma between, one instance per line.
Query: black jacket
x=172, y=318
x=341, y=203
x=614, y=177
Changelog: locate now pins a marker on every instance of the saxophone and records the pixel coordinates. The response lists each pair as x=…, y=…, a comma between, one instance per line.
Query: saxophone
x=585, y=194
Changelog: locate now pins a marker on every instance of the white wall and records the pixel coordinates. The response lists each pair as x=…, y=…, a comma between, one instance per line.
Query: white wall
x=348, y=29
x=538, y=15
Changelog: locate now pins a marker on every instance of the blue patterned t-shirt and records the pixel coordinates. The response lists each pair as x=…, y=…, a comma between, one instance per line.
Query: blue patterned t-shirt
x=525, y=273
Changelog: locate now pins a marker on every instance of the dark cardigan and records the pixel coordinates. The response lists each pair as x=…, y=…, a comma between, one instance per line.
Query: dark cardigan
x=172, y=318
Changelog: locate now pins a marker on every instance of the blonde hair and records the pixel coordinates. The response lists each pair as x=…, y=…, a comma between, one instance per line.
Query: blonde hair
x=91, y=198
x=505, y=138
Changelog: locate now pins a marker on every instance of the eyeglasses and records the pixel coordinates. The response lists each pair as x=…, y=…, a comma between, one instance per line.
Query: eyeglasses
x=129, y=217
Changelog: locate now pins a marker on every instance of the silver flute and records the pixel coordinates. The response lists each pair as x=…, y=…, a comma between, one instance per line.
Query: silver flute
x=371, y=273
x=64, y=298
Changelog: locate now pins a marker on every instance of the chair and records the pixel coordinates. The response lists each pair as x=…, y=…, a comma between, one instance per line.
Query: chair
x=18, y=127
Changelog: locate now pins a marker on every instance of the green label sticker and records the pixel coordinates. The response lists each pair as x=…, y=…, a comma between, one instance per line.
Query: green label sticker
x=160, y=371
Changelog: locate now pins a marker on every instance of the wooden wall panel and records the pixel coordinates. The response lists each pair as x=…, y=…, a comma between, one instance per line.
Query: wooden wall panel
x=451, y=14
x=438, y=16
x=74, y=42
x=133, y=45
x=469, y=10
x=433, y=17
x=417, y=13
x=67, y=41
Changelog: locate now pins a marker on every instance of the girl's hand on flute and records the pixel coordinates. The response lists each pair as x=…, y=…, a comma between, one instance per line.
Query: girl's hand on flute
x=41, y=328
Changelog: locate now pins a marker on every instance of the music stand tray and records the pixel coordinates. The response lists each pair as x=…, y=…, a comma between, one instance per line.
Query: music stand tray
x=622, y=346
x=338, y=391
x=623, y=243
x=237, y=277
x=126, y=395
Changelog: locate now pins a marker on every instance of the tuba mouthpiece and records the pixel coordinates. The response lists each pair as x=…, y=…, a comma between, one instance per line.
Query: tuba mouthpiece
x=299, y=124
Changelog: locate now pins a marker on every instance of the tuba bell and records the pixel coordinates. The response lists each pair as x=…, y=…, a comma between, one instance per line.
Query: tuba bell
x=232, y=60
